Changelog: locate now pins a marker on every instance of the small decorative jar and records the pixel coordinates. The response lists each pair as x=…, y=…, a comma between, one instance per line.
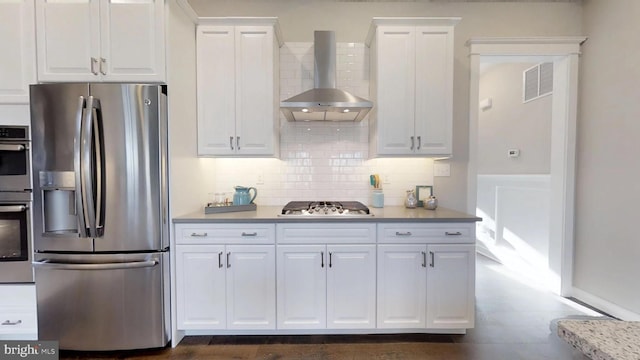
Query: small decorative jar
x=431, y=203
x=411, y=201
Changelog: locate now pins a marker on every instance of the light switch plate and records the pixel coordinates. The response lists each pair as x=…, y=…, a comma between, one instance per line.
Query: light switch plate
x=441, y=169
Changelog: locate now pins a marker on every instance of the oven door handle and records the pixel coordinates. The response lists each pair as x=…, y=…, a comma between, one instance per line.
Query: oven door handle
x=12, y=147
x=13, y=208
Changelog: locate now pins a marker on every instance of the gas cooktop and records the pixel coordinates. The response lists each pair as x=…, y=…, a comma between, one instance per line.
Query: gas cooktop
x=325, y=209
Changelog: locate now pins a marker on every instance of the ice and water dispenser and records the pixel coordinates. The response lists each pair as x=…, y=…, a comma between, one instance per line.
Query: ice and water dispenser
x=58, y=199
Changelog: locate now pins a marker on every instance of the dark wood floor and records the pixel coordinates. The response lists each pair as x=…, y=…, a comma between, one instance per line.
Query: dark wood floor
x=513, y=322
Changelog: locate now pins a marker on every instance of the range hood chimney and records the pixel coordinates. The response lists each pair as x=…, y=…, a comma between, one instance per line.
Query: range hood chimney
x=324, y=102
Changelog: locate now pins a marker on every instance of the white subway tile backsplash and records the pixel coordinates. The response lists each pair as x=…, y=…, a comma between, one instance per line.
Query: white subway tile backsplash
x=322, y=161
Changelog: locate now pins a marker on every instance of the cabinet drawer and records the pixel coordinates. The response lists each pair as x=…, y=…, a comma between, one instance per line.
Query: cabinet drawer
x=225, y=233
x=22, y=296
x=18, y=324
x=326, y=233
x=426, y=233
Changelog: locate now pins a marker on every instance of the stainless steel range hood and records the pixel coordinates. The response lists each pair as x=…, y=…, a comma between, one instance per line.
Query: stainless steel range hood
x=324, y=102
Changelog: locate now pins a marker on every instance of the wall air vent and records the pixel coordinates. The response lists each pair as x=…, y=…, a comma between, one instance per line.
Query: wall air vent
x=537, y=82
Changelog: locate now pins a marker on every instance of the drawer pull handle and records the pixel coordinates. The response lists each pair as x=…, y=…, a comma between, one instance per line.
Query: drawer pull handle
x=322, y=259
x=7, y=322
x=457, y=233
x=198, y=234
x=432, y=264
x=407, y=233
x=228, y=260
x=220, y=259
x=249, y=234
x=424, y=259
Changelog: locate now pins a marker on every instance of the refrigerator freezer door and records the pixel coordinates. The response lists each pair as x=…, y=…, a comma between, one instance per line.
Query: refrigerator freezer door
x=103, y=302
x=134, y=141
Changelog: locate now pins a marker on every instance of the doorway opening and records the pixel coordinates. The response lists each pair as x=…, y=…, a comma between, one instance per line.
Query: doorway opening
x=527, y=212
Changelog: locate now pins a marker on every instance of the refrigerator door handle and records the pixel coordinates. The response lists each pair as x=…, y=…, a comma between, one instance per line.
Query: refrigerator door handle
x=91, y=188
x=77, y=164
x=103, y=266
x=87, y=185
x=99, y=139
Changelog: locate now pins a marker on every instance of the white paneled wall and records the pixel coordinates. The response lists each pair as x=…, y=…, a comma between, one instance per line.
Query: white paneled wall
x=322, y=160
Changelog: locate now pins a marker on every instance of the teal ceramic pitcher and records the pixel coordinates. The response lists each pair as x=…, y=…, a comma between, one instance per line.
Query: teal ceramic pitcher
x=242, y=195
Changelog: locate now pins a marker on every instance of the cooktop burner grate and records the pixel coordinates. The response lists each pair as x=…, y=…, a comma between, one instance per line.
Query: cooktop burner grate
x=325, y=208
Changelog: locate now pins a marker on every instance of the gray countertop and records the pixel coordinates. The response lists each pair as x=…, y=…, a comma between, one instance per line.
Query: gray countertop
x=387, y=214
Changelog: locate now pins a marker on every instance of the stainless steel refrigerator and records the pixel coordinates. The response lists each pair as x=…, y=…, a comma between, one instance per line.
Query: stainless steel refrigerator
x=100, y=215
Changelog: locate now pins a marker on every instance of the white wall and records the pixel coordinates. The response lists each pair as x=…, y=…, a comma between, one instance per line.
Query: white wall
x=350, y=20
x=512, y=124
x=189, y=176
x=607, y=254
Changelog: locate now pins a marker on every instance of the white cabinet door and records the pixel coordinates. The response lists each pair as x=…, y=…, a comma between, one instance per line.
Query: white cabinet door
x=255, y=90
x=216, y=90
x=395, y=79
x=251, y=287
x=238, y=87
x=17, y=62
x=434, y=90
x=100, y=40
x=200, y=287
x=451, y=286
x=402, y=286
x=68, y=40
x=132, y=40
x=301, y=286
x=351, y=287
x=412, y=80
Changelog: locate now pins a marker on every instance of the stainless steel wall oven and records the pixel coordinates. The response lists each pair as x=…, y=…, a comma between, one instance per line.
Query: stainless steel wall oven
x=15, y=238
x=15, y=163
x=15, y=205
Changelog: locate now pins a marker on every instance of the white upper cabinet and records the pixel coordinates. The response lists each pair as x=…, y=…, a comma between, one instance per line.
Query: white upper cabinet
x=100, y=40
x=412, y=86
x=238, y=86
x=17, y=62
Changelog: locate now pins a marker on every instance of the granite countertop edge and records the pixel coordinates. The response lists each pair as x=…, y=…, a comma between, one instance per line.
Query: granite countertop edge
x=269, y=214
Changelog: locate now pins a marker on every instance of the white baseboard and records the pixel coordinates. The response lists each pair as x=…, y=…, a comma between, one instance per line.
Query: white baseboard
x=604, y=305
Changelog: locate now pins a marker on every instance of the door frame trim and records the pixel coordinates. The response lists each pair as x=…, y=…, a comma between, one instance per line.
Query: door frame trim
x=565, y=53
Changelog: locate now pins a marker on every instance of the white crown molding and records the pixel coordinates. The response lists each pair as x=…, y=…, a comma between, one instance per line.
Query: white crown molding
x=522, y=46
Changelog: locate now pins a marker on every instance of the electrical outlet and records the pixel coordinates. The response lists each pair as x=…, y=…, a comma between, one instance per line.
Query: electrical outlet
x=260, y=179
x=441, y=169
x=386, y=179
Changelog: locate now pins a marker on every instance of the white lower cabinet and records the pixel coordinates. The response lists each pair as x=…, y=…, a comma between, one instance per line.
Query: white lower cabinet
x=451, y=286
x=325, y=277
x=326, y=286
x=426, y=286
x=18, y=315
x=402, y=286
x=225, y=287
